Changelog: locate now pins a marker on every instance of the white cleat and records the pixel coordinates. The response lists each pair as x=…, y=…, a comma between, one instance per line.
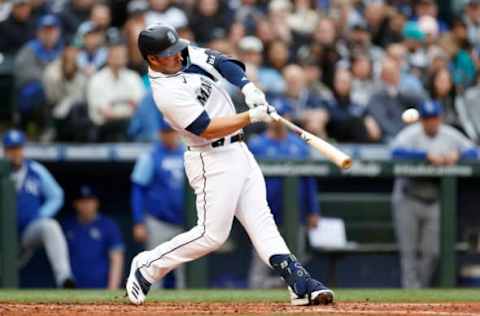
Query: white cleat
x=137, y=287
x=320, y=297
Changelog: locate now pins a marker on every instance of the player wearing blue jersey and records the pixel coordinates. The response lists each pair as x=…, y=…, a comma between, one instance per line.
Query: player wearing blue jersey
x=277, y=144
x=95, y=244
x=38, y=198
x=157, y=197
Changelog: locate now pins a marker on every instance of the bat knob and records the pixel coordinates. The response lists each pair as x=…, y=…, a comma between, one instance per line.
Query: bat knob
x=346, y=163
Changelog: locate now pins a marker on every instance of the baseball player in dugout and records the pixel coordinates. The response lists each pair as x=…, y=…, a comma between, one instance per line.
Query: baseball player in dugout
x=38, y=199
x=223, y=173
x=157, y=197
x=415, y=201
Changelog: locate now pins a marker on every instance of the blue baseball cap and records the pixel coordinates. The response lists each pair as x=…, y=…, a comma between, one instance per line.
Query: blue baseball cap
x=48, y=20
x=86, y=192
x=14, y=138
x=430, y=109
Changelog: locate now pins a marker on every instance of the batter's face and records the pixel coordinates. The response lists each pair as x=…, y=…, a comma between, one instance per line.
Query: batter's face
x=15, y=155
x=167, y=65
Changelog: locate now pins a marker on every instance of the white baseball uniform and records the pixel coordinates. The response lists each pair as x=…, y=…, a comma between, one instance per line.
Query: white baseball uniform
x=226, y=179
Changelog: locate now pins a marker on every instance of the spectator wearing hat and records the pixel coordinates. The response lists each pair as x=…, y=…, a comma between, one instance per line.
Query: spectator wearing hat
x=18, y=28
x=38, y=199
x=113, y=94
x=157, y=196
x=30, y=64
x=95, y=244
x=135, y=23
x=277, y=143
x=93, y=54
x=415, y=201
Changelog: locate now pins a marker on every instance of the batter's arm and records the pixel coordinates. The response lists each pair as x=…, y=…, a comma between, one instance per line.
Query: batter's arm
x=223, y=126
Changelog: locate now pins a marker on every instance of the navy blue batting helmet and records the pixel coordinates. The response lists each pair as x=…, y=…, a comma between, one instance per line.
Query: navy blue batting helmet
x=160, y=40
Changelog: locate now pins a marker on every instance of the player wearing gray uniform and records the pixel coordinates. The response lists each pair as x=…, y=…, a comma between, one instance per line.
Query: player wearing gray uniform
x=226, y=179
x=415, y=201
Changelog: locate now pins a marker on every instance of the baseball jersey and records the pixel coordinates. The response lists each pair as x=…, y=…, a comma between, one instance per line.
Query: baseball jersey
x=159, y=185
x=190, y=98
x=413, y=143
x=37, y=193
x=89, y=246
x=265, y=147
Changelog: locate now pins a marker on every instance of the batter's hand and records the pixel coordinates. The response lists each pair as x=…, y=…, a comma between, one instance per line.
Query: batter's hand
x=140, y=233
x=253, y=96
x=261, y=114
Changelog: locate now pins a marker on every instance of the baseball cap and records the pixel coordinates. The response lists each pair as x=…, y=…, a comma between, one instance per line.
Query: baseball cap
x=88, y=27
x=250, y=43
x=13, y=138
x=48, y=20
x=137, y=7
x=412, y=31
x=86, y=192
x=430, y=109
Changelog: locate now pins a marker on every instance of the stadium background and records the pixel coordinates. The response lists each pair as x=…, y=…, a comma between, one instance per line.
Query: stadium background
x=371, y=270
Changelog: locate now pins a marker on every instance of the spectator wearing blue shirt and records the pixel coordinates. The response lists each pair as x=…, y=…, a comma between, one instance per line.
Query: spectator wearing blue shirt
x=157, y=195
x=278, y=143
x=38, y=199
x=95, y=244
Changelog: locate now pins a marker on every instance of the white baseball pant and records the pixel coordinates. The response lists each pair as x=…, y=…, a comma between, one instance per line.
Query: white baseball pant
x=227, y=182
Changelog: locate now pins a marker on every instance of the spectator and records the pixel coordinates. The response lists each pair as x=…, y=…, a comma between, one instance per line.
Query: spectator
x=360, y=43
x=18, y=28
x=442, y=91
x=429, y=8
x=305, y=105
x=209, y=21
x=472, y=20
x=313, y=79
x=162, y=11
x=134, y=25
x=348, y=121
x=362, y=81
x=415, y=201
x=101, y=16
x=75, y=13
x=277, y=144
x=38, y=199
x=277, y=59
x=375, y=15
x=95, y=244
x=65, y=88
x=93, y=54
x=278, y=14
x=248, y=14
x=471, y=97
x=388, y=103
x=30, y=64
x=158, y=186
x=113, y=94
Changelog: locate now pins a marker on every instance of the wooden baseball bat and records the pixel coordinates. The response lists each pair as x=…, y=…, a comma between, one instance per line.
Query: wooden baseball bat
x=332, y=153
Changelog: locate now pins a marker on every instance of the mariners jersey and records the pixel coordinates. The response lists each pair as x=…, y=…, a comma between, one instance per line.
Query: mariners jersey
x=38, y=194
x=185, y=96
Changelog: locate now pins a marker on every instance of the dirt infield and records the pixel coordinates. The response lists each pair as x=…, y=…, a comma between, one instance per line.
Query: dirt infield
x=342, y=308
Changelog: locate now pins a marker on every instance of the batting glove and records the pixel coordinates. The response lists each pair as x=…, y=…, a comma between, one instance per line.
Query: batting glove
x=261, y=113
x=253, y=96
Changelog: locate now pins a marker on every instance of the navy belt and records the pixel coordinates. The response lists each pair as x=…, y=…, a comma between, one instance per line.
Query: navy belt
x=220, y=142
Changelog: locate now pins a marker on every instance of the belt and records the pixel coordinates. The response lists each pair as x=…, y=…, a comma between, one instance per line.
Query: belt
x=220, y=142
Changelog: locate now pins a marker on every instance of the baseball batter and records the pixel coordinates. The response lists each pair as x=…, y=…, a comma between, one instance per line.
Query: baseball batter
x=223, y=173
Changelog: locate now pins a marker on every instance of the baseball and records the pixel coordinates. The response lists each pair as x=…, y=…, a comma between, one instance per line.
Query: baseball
x=410, y=116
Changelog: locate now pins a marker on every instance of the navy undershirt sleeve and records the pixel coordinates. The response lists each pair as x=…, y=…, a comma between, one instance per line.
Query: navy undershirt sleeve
x=231, y=71
x=199, y=124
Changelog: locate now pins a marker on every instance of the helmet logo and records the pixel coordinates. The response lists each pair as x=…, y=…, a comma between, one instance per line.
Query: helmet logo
x=171, y=37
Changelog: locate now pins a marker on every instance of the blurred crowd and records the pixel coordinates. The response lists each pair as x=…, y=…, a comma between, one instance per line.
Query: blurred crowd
x=344, y=69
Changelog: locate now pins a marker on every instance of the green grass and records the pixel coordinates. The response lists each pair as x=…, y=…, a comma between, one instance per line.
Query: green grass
x=371, y=295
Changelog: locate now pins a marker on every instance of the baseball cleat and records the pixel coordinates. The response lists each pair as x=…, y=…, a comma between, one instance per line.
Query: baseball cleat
x=318, y=294
x=137, y=287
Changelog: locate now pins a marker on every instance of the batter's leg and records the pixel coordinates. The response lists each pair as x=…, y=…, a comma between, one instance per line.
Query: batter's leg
x=255, y=216
x=429, y=244
x=217, y=180
x=47, y=232
x=407, y=230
